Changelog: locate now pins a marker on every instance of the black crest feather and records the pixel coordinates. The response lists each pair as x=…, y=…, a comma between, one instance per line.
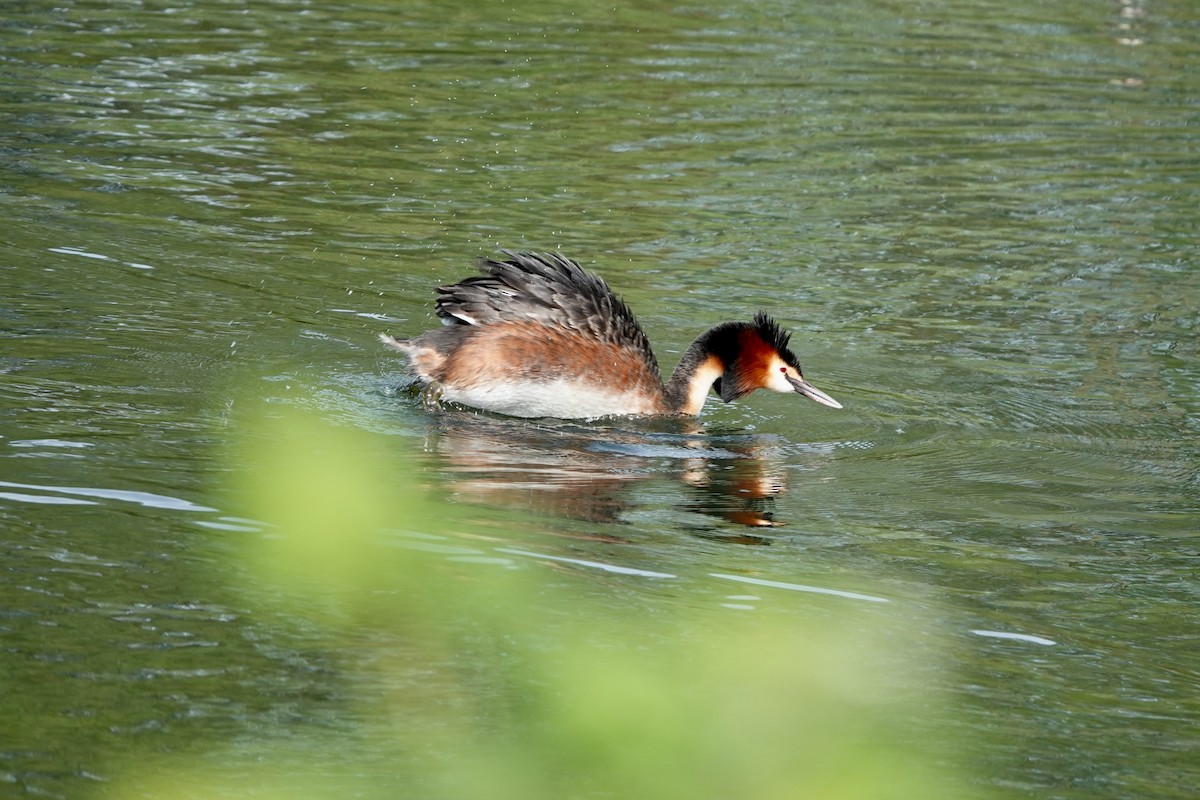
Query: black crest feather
x=773, y=334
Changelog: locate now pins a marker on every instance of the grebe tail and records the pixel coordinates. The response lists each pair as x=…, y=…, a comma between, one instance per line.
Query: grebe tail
x=539, y=336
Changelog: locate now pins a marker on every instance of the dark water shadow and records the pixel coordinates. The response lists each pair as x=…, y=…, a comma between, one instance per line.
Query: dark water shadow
x=601, y=471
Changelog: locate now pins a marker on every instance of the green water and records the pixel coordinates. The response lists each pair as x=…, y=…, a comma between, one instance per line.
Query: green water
x=978, y=218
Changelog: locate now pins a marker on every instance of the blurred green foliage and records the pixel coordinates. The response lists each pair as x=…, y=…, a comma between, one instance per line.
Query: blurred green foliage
x=501, y=678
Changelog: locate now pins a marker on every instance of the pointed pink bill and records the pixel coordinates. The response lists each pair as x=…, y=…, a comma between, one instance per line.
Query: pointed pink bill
x=813, y=393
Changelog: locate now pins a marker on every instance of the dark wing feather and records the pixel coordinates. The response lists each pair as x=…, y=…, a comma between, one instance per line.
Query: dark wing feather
x=548, y=289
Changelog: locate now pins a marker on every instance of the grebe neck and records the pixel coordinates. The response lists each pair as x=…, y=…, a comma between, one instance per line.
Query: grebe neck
x=701, y=366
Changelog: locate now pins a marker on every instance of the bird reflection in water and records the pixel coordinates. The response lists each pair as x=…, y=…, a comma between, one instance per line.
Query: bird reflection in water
x=600, y=472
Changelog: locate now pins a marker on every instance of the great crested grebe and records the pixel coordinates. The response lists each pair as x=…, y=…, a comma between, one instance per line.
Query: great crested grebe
x=537, y=335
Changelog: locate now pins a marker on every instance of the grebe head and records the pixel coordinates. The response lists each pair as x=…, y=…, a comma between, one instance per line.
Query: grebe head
x=755, y=355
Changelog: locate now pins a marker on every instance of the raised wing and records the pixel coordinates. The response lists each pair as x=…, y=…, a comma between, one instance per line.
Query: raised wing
x=547, y=289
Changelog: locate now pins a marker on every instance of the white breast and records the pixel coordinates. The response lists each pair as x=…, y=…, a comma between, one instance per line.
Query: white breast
x=561, y=398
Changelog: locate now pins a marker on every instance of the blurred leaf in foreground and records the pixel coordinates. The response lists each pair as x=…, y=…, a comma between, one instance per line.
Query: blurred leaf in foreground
x=486, y=677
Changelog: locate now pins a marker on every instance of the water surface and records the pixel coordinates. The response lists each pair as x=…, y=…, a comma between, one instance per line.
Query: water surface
x=978, y=218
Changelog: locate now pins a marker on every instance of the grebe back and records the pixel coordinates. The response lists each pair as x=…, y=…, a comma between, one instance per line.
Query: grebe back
x=537, y=335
